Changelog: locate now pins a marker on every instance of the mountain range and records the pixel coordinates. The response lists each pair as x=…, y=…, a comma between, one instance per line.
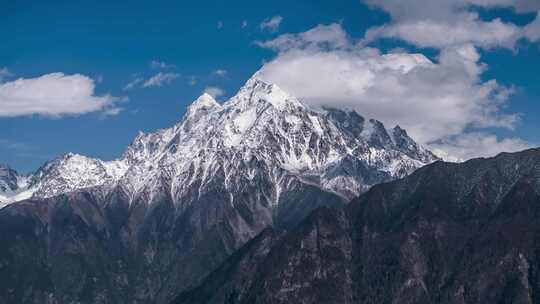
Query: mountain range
x=262, y=127
x=179, y=201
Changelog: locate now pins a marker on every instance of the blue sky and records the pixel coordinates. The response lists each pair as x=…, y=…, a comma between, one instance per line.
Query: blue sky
x=113, y=44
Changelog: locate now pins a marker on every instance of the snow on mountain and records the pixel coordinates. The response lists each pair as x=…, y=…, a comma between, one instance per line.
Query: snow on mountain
x=261, y=136
x=8, y=179
x=13, y=186
x=71, y=172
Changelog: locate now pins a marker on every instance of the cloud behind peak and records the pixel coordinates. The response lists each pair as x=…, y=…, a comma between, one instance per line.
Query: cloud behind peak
x=434, y=101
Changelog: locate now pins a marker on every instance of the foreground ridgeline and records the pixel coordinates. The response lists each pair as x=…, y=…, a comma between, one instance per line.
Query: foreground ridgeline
x=156, y=221
x=448, y=233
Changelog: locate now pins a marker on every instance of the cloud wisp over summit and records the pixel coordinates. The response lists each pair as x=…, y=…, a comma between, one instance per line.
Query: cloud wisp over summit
x=215, y=92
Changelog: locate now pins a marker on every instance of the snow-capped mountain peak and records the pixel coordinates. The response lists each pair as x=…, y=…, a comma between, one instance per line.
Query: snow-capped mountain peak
x=256, y=90
x=72, y=171
x=261, y=135
x=202, y=104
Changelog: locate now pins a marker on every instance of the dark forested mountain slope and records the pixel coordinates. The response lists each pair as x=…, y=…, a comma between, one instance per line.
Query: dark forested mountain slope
x=449, y=233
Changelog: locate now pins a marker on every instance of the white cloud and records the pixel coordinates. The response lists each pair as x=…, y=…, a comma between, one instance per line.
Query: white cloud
x=466, y=29
x=159, y=80
x=220, y=72
x=112, y=111
x=472, y=145
x=4, y=73
x=271, y=24
x=444, y=23
x=322, y=36
x=446, y=9
x=156, y=64
x=214, y=91
x=132, y=84
x=434, y=101
x=532, y=30
x=54, y=94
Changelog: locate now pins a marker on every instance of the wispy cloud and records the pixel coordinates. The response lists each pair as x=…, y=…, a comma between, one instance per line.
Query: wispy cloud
x=532, y=30
x=157, y=64
x=219, y=24
x=244, y=24
x=111, y=112
x=214, y=91
x=160, y=79
x=271, y=24
x=132, y=84
x=220, y=72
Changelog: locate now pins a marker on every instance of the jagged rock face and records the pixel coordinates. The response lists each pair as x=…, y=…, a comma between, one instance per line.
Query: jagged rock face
x=179, y=201
x=8, y=179
x=12, y=185
x=449, y=233
x=73, y=172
